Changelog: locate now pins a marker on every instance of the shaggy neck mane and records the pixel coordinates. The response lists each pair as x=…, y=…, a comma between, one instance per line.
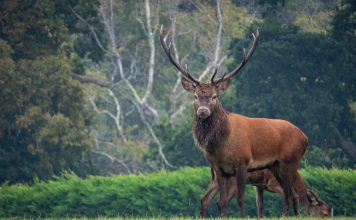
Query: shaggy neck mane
x=212, y=131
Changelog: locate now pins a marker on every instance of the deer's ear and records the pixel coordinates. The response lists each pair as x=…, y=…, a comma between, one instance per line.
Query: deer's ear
x=312, y=198
x=222, y=85
x=187, y=85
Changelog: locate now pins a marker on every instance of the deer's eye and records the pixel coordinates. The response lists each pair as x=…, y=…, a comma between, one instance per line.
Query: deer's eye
x=195, y=97
x=214, y=97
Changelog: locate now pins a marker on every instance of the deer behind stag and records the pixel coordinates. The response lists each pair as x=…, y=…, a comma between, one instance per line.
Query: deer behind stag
x=263, y=180
x=234, y=144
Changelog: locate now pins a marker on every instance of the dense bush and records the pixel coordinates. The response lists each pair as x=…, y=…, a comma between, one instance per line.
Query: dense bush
x=157, y=194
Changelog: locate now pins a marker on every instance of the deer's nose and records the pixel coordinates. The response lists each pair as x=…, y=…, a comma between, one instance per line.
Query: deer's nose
x=203, y=112
x=326, y=214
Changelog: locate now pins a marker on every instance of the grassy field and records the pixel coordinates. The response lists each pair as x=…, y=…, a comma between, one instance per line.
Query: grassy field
x=187, y=218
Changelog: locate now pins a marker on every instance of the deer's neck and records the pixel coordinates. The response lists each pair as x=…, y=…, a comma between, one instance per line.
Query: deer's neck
x=301, y=189
x=210, y=133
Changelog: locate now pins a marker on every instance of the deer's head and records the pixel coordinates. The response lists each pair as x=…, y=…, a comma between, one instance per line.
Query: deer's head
x=206, y=94
x=317, y=207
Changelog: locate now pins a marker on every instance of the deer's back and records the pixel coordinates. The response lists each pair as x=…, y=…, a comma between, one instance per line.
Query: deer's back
x=265, y=140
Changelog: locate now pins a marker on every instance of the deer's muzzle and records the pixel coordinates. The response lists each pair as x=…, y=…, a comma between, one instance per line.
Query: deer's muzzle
x=203, y=112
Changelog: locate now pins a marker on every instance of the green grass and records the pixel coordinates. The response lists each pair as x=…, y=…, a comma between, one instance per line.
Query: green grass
x=185, y=218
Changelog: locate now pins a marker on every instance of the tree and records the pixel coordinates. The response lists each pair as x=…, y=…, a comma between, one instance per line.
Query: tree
x=39, y=28
x=44, y=122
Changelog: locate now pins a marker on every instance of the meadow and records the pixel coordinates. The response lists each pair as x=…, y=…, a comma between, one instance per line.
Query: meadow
x=183, y=218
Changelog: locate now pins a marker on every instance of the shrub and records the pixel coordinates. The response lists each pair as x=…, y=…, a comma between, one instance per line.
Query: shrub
x=157, y=194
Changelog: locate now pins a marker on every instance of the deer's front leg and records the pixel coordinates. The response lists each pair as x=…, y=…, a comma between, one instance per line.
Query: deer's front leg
x=259, y=200
x=241, y=175
x=209, y=195
x=223, y=183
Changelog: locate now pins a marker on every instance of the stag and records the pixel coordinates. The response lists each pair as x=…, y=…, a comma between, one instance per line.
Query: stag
x=234, y=144
x=264, y=179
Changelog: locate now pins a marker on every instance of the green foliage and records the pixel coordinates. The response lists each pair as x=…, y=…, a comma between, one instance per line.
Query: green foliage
x=40, y=27
x=157, y=194
x=6, y=73
x=44, y=121
x=327, y=157
x=335, y=186
x=344, y=21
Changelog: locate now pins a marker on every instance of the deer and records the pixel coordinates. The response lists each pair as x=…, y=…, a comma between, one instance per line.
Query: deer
x=263, y=180
x=234, y=144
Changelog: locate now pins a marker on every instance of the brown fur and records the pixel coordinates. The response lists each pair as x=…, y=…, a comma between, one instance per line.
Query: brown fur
x=212, y=131
x=265, y=180
x=234, y=144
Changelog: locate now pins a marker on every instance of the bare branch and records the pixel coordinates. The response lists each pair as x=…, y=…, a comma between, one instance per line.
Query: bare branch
x=156, y=27
x=218, y=35
x=175, y=95
x=178, y=112
x=112, y=159
x=85, y=79
x=142, y=24
x=117, y=118
x=160, y=146
x=214, y=63
x=152, y=133
x=203, y=10
x=152, y=53
x=91, y=29
x=124, y=75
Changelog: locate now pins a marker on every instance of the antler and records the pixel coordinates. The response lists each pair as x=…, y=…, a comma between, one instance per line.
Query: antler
x=245, y=59
x=167, y=49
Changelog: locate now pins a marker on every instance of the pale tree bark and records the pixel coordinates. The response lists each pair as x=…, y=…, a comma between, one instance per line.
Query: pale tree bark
x=108, y=156
x=141, y=104
x=89, y=80
x=151, y=43
x=177, y=92
x=122, y=76
x=116, y=117
x=216, y=61
x=311, y=9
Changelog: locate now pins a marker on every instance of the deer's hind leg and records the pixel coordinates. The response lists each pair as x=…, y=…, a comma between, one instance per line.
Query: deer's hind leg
x=285, y=175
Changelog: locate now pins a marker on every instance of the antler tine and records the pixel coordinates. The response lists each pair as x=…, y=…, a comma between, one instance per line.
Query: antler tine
x=245, y=59
x=167, y=50
x=214, y=75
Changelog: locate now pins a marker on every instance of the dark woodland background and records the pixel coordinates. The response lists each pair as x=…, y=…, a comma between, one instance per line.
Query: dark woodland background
x=85, y=85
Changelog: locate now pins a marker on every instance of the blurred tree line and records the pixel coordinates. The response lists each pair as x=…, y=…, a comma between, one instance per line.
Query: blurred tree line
x=128, y=113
